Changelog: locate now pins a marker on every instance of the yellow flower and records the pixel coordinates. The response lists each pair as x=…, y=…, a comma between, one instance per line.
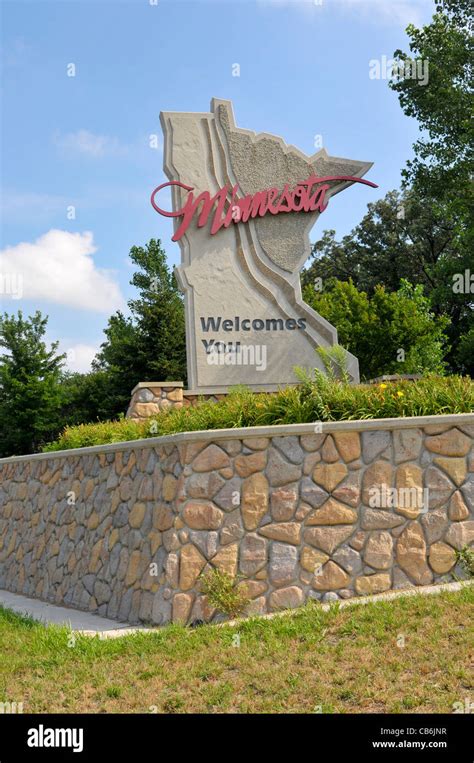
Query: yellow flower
x=382, y=386
x=400, y=394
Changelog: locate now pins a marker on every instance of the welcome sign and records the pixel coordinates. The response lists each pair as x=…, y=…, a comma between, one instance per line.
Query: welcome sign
x=225, y=211
x=243, y=205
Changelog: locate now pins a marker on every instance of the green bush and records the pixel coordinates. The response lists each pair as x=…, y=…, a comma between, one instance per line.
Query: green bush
x=465, y=558
x=222, y=592
x=102, y=433
x=316, y=399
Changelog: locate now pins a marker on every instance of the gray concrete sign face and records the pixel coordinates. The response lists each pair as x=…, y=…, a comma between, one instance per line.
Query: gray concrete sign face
x=246, y=322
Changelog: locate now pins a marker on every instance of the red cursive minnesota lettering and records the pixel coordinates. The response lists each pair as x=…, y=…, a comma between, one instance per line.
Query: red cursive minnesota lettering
x=307, y=196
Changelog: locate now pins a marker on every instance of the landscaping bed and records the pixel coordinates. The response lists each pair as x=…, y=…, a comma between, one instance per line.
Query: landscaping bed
x=317, y=400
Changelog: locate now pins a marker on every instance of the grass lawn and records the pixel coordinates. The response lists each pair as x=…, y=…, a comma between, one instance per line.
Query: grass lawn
x=412, y=654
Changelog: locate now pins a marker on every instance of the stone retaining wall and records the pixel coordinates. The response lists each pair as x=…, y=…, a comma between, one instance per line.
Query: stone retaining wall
x=149, y=398
x=125, y=530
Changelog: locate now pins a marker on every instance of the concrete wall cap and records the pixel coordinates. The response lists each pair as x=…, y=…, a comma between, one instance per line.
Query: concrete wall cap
x=211, y=435
x=163, y=384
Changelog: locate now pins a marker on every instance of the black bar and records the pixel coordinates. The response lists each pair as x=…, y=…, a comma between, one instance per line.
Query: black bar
x=317, y=736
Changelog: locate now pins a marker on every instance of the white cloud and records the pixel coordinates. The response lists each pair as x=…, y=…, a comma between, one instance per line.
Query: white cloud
x=37, y=206
x=398, y=12
x=15, y=52
x=87, y=143
x=301, y=5
x=79, y=357
x=46, y=209
x=58, y=267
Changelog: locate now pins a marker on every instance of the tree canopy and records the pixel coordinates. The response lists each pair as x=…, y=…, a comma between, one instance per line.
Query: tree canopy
x=423, y=233
x=148, y=345
x=30, y=393
x=389, y=332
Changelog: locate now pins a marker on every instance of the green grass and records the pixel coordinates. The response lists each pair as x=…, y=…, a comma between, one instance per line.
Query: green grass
x=344, y=660
x=318, y=400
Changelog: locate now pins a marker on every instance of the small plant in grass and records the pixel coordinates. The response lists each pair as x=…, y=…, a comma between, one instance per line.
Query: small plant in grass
x=335, y=362
x=222, y=592
x=113, y=691
x=465, y=558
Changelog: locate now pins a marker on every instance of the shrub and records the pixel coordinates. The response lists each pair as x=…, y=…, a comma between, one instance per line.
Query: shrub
x=317, y=399
x=465, y=558
x=222, y=592
x=465, y=354
x=102, y=433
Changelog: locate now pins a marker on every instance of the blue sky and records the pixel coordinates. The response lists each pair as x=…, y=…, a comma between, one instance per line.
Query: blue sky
x=83, y=141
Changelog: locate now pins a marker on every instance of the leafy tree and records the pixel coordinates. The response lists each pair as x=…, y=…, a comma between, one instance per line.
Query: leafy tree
x=424, y=233
x=403, y=237
x=441, y=171
x=389, y=332
x=150, y=344
x=85, y=397
x=442, y=166
x=30, y=394
x=118, y=360
x=465, y=352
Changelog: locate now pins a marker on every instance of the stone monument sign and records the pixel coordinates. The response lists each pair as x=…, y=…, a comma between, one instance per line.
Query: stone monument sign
x=243, y=205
